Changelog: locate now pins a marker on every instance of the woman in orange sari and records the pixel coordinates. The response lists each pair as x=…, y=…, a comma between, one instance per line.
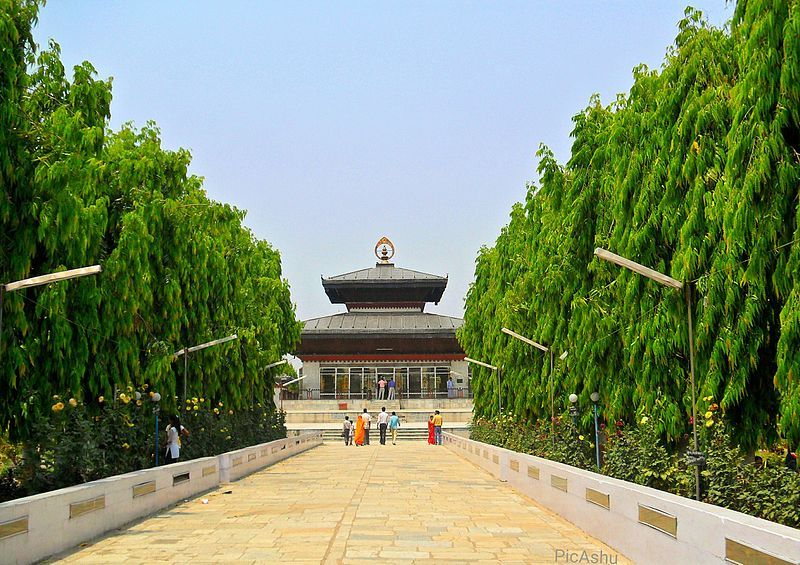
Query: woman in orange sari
x=431, y=432
x=359, y=431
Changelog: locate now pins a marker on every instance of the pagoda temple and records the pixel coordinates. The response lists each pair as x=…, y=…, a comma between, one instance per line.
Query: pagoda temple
x=384, y=333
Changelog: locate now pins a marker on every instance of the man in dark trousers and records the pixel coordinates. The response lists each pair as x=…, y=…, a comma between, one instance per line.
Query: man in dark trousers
x=367, y=419
x=383, y=423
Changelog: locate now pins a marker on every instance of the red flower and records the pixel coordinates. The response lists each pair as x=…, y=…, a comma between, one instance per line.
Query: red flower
x=620, y=423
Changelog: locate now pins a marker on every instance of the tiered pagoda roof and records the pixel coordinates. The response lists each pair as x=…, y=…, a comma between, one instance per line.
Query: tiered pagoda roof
x=385, y=318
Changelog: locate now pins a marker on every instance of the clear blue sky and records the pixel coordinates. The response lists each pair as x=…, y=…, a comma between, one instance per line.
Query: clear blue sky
x=334, y=123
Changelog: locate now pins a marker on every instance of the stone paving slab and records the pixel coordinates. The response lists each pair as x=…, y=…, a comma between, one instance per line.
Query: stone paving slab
x=409, y=503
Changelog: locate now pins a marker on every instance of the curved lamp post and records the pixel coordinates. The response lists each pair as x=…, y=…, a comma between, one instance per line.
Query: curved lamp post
x=496, y=370
x=548, y=350
x=677, y=285
x=41, y=280
x=290, y=382
x=187, y=350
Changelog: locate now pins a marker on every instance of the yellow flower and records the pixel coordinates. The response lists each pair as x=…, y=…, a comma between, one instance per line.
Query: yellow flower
x=138, y=403
x=188, y=408
x=645, y=419
x=709, y=423
x=58, y=407
x=230, y=411
x=202, y=400
x=220, y=404
x=709, y=414
x=228, y=437
x=101, y=399
x=216, y=410
x=124, y=398
x=130, y=388
x=56, y=397
x=130, y=424
x=152, y=394
x=188, y=401
x=73, y=402
x=194, y=399
x=580, y=438
x=196, y=407
x=125, y=446
x=145, y=386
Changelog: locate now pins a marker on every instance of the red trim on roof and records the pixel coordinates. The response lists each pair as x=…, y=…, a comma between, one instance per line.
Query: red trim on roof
x=359, y=305
x=387, y=357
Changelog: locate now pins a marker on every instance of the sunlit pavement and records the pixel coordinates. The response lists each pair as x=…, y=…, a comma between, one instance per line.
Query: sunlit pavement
x=406, y=503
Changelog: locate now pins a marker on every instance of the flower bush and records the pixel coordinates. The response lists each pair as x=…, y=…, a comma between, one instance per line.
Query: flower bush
x=638, y=453
x=74, y=441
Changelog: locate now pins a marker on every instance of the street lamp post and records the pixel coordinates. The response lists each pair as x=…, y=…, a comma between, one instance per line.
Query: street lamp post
x=595, y=396
x=573, y=410
x=276, y=364
x=41, y=280
x=187, y=350
x=156, y=398
x=495, y=369
x=677, y=285
x=548, y=350
x=290, y=382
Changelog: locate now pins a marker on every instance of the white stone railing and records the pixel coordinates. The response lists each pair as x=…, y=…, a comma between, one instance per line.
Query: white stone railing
x=645, y=524
x=38, y=526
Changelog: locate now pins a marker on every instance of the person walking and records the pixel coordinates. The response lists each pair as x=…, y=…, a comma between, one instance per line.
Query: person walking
x=381, y=389
x=347, y=426
x=394, y=423
x=392, y=386
x=437, y=427
x=367, y=424
x=383, y=423
x=359, y=434
x=431, y=432
x=174, y=432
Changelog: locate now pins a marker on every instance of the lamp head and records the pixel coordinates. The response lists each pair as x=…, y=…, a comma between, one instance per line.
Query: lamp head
x=573, y=398
x=595, y=396
x=156, y=397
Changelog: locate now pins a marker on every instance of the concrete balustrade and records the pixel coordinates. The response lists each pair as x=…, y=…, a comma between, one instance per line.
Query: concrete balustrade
x=644, y=524
x=38, y=526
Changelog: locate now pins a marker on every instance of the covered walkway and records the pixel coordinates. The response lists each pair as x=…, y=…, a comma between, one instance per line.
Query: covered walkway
x=406, y=503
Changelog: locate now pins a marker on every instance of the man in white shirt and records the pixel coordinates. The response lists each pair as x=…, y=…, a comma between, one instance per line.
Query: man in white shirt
x=366, y=418
x=383, y=423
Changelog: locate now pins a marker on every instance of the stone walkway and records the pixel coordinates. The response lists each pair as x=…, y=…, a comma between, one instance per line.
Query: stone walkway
x=410, y=503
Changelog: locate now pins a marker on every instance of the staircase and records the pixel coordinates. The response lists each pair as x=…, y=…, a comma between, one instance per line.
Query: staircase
x=327, y=416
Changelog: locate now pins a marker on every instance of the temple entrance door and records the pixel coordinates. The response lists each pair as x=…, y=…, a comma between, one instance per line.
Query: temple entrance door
x=356, y=382
x=385, y=373
x=414, y=387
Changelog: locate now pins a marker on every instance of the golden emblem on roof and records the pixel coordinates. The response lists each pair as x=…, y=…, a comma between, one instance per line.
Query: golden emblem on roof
x=384, y=249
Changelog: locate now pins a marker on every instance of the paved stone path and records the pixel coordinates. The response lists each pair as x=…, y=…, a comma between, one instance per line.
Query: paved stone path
x=409, y=503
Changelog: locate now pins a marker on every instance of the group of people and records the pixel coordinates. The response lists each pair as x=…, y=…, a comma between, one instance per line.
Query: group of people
x=357, y=433
x=435, y=429
x=383, y=385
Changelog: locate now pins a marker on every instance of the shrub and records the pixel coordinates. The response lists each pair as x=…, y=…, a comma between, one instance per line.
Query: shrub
x=76, y=442
x=639, y=454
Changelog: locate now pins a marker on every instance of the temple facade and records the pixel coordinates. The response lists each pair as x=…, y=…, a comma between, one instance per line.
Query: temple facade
x=385, y=333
